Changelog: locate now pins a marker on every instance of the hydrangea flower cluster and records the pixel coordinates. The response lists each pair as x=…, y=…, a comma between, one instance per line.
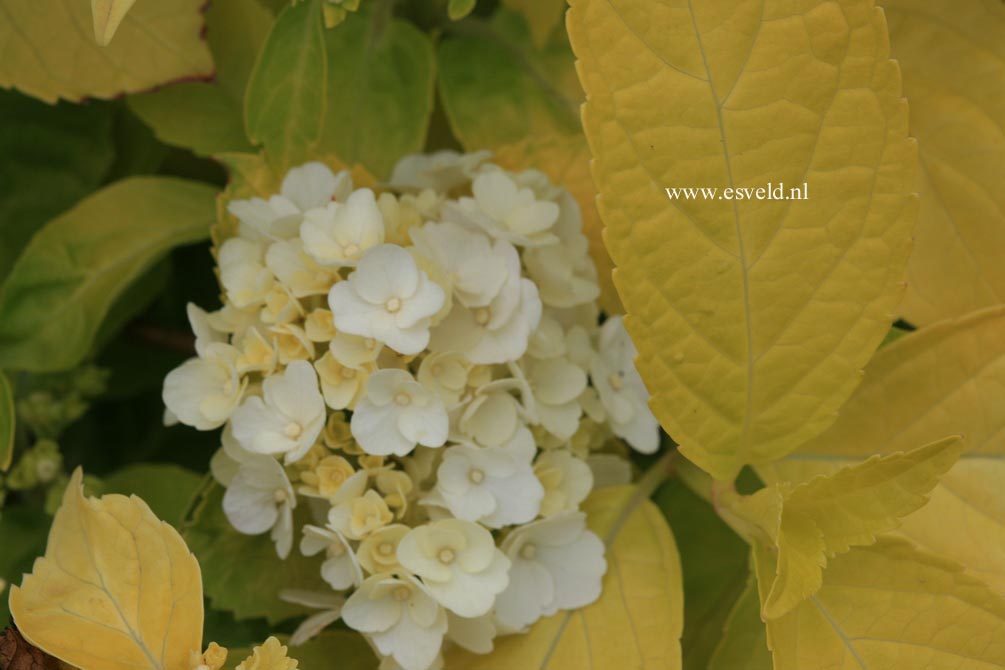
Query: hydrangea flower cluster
x=420, y=369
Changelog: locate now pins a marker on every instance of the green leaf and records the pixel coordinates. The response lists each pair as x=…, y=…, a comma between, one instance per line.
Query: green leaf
x=458, y=9
x=714, y=563
x=349, y=647
x=231, y=562
x=208, y=117
x=167, y=489
x=24, y=527
x=744, y=642
x=8, y=423
x=51, y=156
x=284, y=105
x=49, y=51
x=73, y=270
x=380, y=90
x=485, y=67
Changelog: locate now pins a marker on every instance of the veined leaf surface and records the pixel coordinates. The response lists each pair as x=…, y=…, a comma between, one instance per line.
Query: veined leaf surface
x=953, y=59
x=946, y=378
x=117, y=588
x=107, y=15
x=157, y=42
x=752, y=318
x=637, y=621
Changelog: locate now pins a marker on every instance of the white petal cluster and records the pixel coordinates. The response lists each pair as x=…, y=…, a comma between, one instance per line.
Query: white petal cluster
x=416, y=389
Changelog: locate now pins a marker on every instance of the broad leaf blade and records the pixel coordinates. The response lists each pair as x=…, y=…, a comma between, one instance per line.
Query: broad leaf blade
x=107, y=15
x=284, y=105
x=50, y=52
x=752, y=318
x=638, y=619
x=744, y=642
x=68, y=277
x=953, y=59
x=8, y=422
x=117, y=588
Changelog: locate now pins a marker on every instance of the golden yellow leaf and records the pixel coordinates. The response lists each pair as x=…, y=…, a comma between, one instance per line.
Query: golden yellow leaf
x=639, y=618
x=543, y=16
x=889, y=607
x=752, y=318
x=107, y=15
x=946, y=378
x=953, y=58
x=566, y=160
x=829, y=514
x=50, y=50
x=117, y=588
x=270, y=655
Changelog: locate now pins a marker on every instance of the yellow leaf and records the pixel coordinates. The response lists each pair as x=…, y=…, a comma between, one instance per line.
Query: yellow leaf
x=543, y=16
x=49, y=51
x=117, y=588
x=107, y=15
x=946, y=378
x=638, y=620
x=889, y=607
x=566, y=160
x=270, y=655
x=953, y=59
x=752, y=318
x=829, y=514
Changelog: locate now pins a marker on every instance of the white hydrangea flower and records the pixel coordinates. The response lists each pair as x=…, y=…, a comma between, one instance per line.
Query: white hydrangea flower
x=476, y=634
x=564, y=276
x=506, y=210
x=338, y=234
x=441, y=171
x=491, y=417
x=490, y=485
x=260, y=498
x=401, y=617
x=499, y=331
x=387, y=298
x=244, y=275
x=566, y=479
x=557, y=564
x=622, y=392
x=203, y=392
x=329, y=604
x=287, y=419
x=304, y=188
x=396, y=413
x=340, y=568
x=555, y=385
x=357, y=517
x=445, y=374
x=378, y=552
x=341, y=385
x=354, y=351
x=297, y=270
x=458, y=562
x=475, y=267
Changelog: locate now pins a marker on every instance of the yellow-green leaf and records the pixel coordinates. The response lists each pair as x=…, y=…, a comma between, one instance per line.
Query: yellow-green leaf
x=208, y=117
x=889, y=606
x=752, y=318
x=744, y=641
x=284, y=105
x=117, y=588
x=637, y=621
x=8, y=422
x=946, y=378
x=828, y=515
x=543, y=16
x=50, y=51
x=71, y=272
x=458, y=9
x=107, y=15
x=953, y=59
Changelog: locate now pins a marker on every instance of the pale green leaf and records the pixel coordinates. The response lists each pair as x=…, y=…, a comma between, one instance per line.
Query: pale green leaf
x=380, y=90
x=284, y=105
x=638, y=619
x=458, y=9
x=208, y=117
x=889, y=606
x=744, y=642
x=752, y=318
x=49, y=50
x=68, y=277
x=946, y=378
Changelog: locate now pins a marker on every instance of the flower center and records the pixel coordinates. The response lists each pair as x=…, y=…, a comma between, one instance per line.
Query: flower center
x=437, y=369
x=350, y=250
x=446, y=556
x=293, y=430
x=476, y=476
x=616, y=381
x=482, y=316
x=393, y=305
x=402, y=593
x=402, y=399
x=385, y=549
x=280, y=496
x=528, y=551
x=348, y=373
